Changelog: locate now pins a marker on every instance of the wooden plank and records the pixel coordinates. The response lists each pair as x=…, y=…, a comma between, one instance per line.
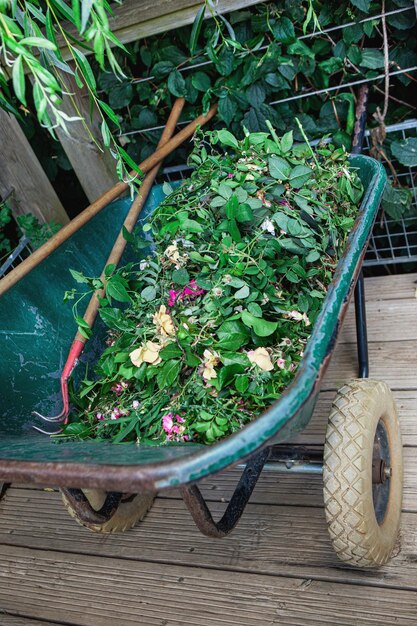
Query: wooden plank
x=136, y=19
x=95, y=169
x=394, y=362
x=91, y=591
x=394, y=287
x=13, y=620
x=269, y=539
x=387, y=320
x=406, y=405
x=22, y=174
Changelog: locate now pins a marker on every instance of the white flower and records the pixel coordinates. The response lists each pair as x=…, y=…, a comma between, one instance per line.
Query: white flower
x=163, y=321
x=143, y=265
x=211, y=359
x=261, y=358
x=298, y=317
x=147, y=353
x=268, y=226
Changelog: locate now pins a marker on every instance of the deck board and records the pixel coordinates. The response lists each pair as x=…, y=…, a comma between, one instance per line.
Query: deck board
x=277, y=567
x=136, y=592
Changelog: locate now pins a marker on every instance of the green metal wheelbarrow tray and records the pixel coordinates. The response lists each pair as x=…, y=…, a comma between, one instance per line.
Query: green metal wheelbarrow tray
x=109, y=487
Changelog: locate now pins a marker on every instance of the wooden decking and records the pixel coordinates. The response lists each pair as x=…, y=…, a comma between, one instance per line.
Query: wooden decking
x=277, y=567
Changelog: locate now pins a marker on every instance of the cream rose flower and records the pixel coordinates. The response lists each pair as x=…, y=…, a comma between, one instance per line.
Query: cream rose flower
x=211, y=359
x=261, y=358
x=173, y=253
x=163, y=321
x=148, y=353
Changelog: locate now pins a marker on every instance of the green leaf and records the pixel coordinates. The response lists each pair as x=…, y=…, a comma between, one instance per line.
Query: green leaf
x=176, y=84
x=227, y=373
x=116, y=288
x=181, y=277
x=287, y=141
x=362, y=5
x=279, y=168
x=283, y=30
x=109, y=112
x=300, y=175
x=201, y=81
x=121, y=94
x=372, y=58
x=242, y=293
x=85, y=68
x=291, y=246
x=396, y=201
x=78, y=276
x=261, y=327
x=148, y=294
x=405, y=151
x=227, y=139
x=38, y=42
x=19, y=84
x=162, y=69
x=256, y=95
x=168, y=374
x=227, y=109
x=241, y=383
x=195, y=31
x=86, y=7
x=171, y=351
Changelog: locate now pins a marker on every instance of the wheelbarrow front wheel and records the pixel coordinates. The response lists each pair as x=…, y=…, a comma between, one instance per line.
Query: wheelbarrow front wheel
x=363, y=473
x=131, y=510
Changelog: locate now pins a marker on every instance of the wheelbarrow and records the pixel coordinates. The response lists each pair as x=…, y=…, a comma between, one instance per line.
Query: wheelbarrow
x=109, y=487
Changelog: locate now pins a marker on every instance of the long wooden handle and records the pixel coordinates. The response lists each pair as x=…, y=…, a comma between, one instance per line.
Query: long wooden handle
x=65, y=233
x=132, y=217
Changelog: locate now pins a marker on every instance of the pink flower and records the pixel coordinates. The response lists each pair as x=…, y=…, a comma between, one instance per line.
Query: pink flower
x=167, y=422
x=171, y=425
x=230, y=175
x=283, y=202
x=192, y=290
x=100, y=416
x=281, y=363
x=119, y=387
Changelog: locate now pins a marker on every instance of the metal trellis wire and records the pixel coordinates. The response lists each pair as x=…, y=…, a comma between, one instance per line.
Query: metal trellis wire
x=395, y=241
x=20, y=252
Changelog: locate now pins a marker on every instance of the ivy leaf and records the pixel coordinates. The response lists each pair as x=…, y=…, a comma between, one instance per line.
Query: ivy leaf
x=120, y=94
x=405, y=151
x=279, y=168
x=176, y=84
x=261, y=327
x=168, y=374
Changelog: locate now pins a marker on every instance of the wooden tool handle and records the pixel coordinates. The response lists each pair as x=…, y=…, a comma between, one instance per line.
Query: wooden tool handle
x=62, y=235
x=132, y=217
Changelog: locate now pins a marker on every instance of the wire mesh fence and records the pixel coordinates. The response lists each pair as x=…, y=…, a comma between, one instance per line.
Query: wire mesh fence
x=395, y=241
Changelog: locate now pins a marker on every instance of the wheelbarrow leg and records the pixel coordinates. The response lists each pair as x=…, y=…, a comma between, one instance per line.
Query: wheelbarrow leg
x=199, y=510
x=361, y=331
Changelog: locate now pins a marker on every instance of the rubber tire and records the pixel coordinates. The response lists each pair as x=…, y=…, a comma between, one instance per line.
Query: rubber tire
x=357, y=537
x=127, y=515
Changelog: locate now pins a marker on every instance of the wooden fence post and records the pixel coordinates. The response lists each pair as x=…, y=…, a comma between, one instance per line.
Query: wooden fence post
x=22, y=176
x=96, y=170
